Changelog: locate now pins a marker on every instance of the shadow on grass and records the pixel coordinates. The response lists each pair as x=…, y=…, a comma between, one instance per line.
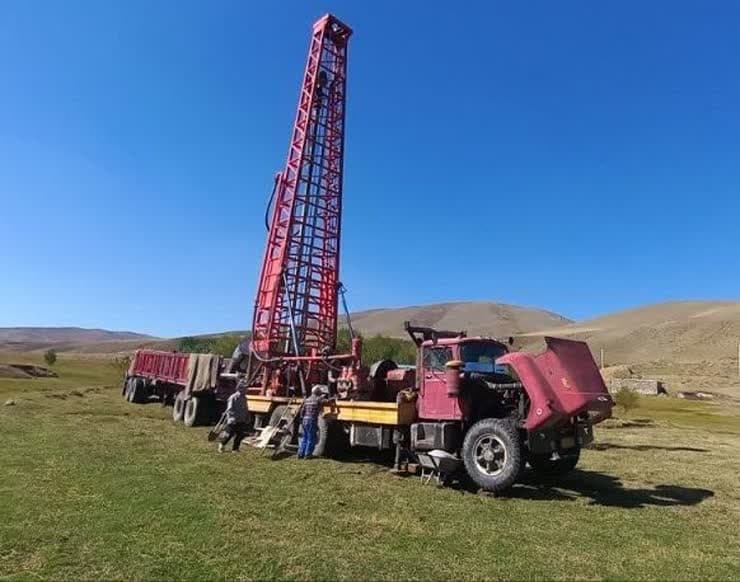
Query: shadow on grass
x=606, y=490
x=609, y=446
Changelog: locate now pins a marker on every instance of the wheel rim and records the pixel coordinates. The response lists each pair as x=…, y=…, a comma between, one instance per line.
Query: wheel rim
x=490, y=454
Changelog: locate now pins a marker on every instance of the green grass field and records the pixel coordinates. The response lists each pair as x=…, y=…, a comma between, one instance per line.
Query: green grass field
x=94, y=488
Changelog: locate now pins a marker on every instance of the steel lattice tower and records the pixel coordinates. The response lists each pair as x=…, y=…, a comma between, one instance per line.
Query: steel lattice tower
x=300, y=269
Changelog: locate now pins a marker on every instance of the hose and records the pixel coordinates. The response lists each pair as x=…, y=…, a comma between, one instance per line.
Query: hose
x=270, y=201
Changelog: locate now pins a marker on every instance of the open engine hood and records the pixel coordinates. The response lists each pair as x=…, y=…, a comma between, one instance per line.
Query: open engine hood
x=562, y=382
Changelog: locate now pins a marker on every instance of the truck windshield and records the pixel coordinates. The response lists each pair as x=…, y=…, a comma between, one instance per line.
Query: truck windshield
x=481, y=352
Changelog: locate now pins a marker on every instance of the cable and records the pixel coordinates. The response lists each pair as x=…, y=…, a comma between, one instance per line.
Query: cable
x=270, y=201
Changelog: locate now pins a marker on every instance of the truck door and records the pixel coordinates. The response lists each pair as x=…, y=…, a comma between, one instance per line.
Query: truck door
x=435, y=403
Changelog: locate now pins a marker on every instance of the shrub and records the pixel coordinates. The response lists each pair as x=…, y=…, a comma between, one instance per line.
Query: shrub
x=379, y=348
x=222, y=344
x=121, y=364
x=626, y=399
x=50, y=357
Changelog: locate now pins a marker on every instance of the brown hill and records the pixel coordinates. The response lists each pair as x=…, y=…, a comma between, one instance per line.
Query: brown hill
x=688, y=345
x=679, y=331
x=77, y=335
x=70, y=339
x=477, y=318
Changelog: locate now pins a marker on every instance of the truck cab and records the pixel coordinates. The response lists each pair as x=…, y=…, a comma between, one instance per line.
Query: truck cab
x=496, y=410
x=443, y=360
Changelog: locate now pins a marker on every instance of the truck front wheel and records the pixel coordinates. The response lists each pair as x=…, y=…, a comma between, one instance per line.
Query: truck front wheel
x=547, y=465
x=492, y=454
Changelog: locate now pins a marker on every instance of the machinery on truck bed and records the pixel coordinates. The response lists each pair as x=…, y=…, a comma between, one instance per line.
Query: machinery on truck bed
x=469, y=403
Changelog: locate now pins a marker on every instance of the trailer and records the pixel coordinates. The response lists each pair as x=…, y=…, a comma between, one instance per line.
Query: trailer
x=469, y=404
x=196, y=385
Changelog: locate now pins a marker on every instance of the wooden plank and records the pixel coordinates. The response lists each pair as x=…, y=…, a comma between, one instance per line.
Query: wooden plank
x=365, y=411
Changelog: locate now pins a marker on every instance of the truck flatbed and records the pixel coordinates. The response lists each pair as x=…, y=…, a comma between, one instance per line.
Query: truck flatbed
x=363, y=411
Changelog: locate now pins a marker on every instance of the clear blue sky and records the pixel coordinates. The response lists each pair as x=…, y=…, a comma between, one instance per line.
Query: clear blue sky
x=577, y=156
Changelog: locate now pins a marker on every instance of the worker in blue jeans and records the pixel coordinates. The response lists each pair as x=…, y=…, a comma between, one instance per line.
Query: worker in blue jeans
x=310, y=422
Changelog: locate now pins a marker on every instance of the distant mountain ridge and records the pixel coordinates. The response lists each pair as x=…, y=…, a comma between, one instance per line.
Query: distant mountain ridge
x=475, y=317
x=677, y=331
x=66, y=334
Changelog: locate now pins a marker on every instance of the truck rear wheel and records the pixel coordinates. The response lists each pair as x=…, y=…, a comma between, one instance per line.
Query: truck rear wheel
x=178, y=408
x=549, y=465
x=326, y=429
x=492, y=454
x=328, y=439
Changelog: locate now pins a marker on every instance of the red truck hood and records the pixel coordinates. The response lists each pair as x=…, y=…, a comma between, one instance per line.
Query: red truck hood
x=562, y=382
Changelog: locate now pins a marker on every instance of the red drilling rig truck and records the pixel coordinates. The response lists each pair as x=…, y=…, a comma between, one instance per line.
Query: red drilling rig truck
x=470, y=404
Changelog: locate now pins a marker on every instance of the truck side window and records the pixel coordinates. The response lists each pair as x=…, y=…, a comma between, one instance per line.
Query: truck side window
x=436, y=357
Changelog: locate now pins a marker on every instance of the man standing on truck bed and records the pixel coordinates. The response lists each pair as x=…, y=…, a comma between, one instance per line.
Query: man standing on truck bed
x=310, y=421
x=237, y=415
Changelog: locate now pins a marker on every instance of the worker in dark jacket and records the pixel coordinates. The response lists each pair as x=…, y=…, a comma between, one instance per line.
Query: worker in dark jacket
x=240, y=356
x=237, y=418
x=310, y=421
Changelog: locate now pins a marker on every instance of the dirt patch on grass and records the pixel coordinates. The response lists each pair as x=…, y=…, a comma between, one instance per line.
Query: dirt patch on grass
x=79, y=393
x=7, y=371
x=628, y=423
x=26, y=371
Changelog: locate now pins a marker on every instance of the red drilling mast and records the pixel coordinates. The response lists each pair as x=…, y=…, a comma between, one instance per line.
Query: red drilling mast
x=295, y=314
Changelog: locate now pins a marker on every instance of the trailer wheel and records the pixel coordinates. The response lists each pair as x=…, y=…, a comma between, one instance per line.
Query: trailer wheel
x=197, y=411
x=131, y=389
x=127, y=389
x=138, y=391
x=492, y=454
x=547, y=466
x=124, y=387
x=178, y=408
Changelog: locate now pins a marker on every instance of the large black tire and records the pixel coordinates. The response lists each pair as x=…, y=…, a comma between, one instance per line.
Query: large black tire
x=178, y=407
x=197, y=411
x=492, y=454
x=124, y=387
x=128, y=387
x=548, y=465
x=138, y=393
x=325, y=438
x=328, y=441
x=133, y=389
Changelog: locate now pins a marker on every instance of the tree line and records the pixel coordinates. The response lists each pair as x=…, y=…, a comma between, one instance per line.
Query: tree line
x=374, y=348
